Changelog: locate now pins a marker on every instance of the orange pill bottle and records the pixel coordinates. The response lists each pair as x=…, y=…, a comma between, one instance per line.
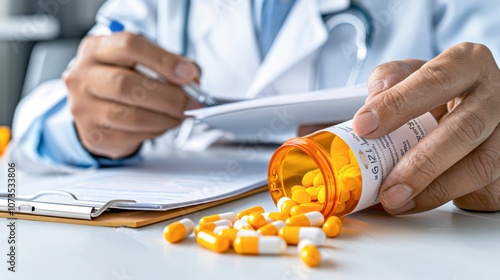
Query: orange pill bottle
x=338, y=153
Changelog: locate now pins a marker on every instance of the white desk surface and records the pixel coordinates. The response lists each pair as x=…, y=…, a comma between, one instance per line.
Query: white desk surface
x=445, y=243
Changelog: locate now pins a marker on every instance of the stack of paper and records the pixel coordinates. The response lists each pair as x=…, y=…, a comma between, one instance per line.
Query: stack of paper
x=277, y=118
x=165, y=181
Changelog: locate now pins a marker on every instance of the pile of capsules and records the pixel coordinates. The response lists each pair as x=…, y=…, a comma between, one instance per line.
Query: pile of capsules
x=311, y=194
x=298, y=222
x=253, y=232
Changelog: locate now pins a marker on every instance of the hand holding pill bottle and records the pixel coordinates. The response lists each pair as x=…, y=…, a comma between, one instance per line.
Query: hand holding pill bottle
x=337, y=171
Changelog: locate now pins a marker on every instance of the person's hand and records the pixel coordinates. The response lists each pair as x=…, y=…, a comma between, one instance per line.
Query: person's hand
x=114, y=107
x=460, y=159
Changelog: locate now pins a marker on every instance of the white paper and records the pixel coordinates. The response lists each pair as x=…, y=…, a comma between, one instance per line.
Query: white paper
x=277, y=118
x=167, y=180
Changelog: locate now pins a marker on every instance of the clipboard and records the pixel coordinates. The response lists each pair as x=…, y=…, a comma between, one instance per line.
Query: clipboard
x=167, y=184
x=99, y=214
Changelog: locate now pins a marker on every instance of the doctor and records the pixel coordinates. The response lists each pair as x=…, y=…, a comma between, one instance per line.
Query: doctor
x=102, y=112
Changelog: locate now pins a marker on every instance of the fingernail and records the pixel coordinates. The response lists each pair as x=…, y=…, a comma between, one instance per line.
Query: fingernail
x=375, y=87
x=184, y=71
x=366, y=123
x=396, y=196
x=405, y=208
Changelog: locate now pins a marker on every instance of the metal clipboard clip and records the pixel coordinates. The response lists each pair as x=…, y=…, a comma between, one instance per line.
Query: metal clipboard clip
x=81, y=209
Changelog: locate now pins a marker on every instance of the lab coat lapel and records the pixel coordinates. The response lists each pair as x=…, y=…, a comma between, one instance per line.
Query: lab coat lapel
x=226, y=30
x=302, y=33
x=170, y=16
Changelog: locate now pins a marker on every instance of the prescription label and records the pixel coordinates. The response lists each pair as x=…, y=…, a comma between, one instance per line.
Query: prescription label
x=377, y=157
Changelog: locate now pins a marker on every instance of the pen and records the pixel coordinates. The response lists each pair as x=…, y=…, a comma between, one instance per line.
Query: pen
x=191, y=89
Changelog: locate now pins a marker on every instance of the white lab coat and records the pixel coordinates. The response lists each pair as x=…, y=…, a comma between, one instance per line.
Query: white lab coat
x=222, y=41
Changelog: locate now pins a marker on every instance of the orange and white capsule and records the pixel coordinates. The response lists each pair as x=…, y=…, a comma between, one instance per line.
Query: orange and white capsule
x=177, y=231
x=256, y=209
x=309, y=253
x=293, y=235
x=212, y=225
x=242, y=224
x=272, y=228
x=231, y=233
x=231, y=216
x=311, y=219
x=285, y=205
x=258, y=245
x=276, y=216
x=256, y=220
x=305, y=208
x=217, y=229
x=212, y=241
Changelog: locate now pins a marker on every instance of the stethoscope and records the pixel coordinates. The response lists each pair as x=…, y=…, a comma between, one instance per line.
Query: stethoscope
x=355, y=16
x=360, y=19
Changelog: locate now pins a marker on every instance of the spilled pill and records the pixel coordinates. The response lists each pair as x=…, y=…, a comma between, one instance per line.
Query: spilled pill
x=242, y=224
x=177, y=231
x=256, y=209
x=305, y=208
x=210, y=226
x=230, y=216
x=256, y=220
x=212, y=241
x=276, y=216
x=309, y=253
x=285, y=204
x=230, y=234
x=293, y=235
x=332, y=226
x=310, y=219
x=272, y=228
x=256, y=245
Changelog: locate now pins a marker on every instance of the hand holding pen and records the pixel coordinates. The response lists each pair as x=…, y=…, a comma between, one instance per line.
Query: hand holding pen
x=115, y=108
x=191, y=89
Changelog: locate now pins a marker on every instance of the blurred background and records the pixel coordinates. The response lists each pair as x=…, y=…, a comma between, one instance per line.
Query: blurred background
x=34, y=33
